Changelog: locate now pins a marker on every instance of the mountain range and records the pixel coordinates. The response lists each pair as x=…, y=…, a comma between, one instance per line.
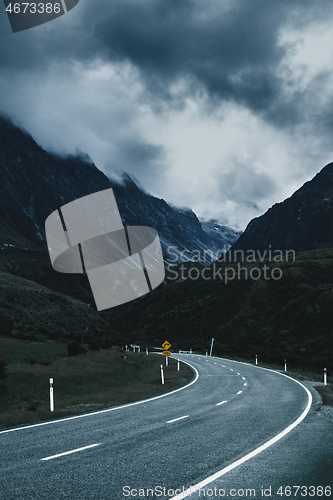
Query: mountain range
x=276, y=309
x=34, y=183
x=35, y=300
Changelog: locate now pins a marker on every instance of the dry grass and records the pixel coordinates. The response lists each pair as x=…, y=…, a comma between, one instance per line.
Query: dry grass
x=84, y=383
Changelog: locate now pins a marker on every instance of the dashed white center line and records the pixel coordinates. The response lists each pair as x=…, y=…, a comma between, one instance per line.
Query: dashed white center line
x=231, y=370
x=238, y=373
x=221, y=403
x=243, y=378
x=175, y=419
x=245, y=384
x=71, y=451
x=239, y=392
x=215, y=363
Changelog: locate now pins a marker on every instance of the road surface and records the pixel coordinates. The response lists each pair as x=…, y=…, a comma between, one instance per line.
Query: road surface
x=255, y=429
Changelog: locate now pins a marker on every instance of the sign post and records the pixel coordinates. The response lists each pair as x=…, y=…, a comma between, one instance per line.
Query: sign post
x=166, y=346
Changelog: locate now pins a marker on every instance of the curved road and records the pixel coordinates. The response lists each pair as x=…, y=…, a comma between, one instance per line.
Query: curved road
x=156, y=449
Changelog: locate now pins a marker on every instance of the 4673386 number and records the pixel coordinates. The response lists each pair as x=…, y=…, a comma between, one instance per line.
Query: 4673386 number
x=304, y=491
x=33, y=8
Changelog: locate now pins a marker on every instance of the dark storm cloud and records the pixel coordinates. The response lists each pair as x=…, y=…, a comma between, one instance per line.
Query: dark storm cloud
x=231, y=52
x=227, y=49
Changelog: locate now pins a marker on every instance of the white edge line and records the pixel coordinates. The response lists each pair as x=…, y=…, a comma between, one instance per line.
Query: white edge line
x=221, y=403
x=175, y=419
x=225, y=470
x=108, y=409
x=71, y=451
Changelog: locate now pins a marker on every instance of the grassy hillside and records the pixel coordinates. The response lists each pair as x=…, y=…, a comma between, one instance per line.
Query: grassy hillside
x=34, y=312
x=291, y=317
x=84, y=383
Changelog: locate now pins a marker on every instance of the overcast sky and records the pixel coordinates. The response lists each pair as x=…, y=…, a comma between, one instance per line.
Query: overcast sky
x=224, y=106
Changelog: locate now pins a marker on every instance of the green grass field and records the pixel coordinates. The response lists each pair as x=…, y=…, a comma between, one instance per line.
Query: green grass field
x=14, y=351
x=98, y=379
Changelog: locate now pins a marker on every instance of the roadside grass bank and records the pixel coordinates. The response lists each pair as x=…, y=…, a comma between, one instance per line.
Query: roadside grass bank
x=96, y=380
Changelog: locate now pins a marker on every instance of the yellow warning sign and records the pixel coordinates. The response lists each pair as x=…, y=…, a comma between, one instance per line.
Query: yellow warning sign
x=166, y=353
x=166, y=345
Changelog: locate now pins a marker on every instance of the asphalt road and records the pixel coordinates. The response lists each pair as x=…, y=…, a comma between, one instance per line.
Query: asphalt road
x=232, y=412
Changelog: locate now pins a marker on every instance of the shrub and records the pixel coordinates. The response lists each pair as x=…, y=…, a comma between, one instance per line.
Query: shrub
x=3, y=370
x=74, y=349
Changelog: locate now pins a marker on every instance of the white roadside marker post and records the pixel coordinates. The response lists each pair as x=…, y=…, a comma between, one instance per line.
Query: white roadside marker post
x=162, y=374
x=285, y=365
x=146, y=351
x=139, y=349
x=190, y=351
x=166, y=361
x=51, y=395
x=325, y=376
x=206, y=353
x=178, y=366
x=256, y=360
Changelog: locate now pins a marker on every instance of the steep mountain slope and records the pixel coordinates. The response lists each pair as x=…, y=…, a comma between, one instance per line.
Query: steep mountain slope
x=302, y=222
x=34, y=183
